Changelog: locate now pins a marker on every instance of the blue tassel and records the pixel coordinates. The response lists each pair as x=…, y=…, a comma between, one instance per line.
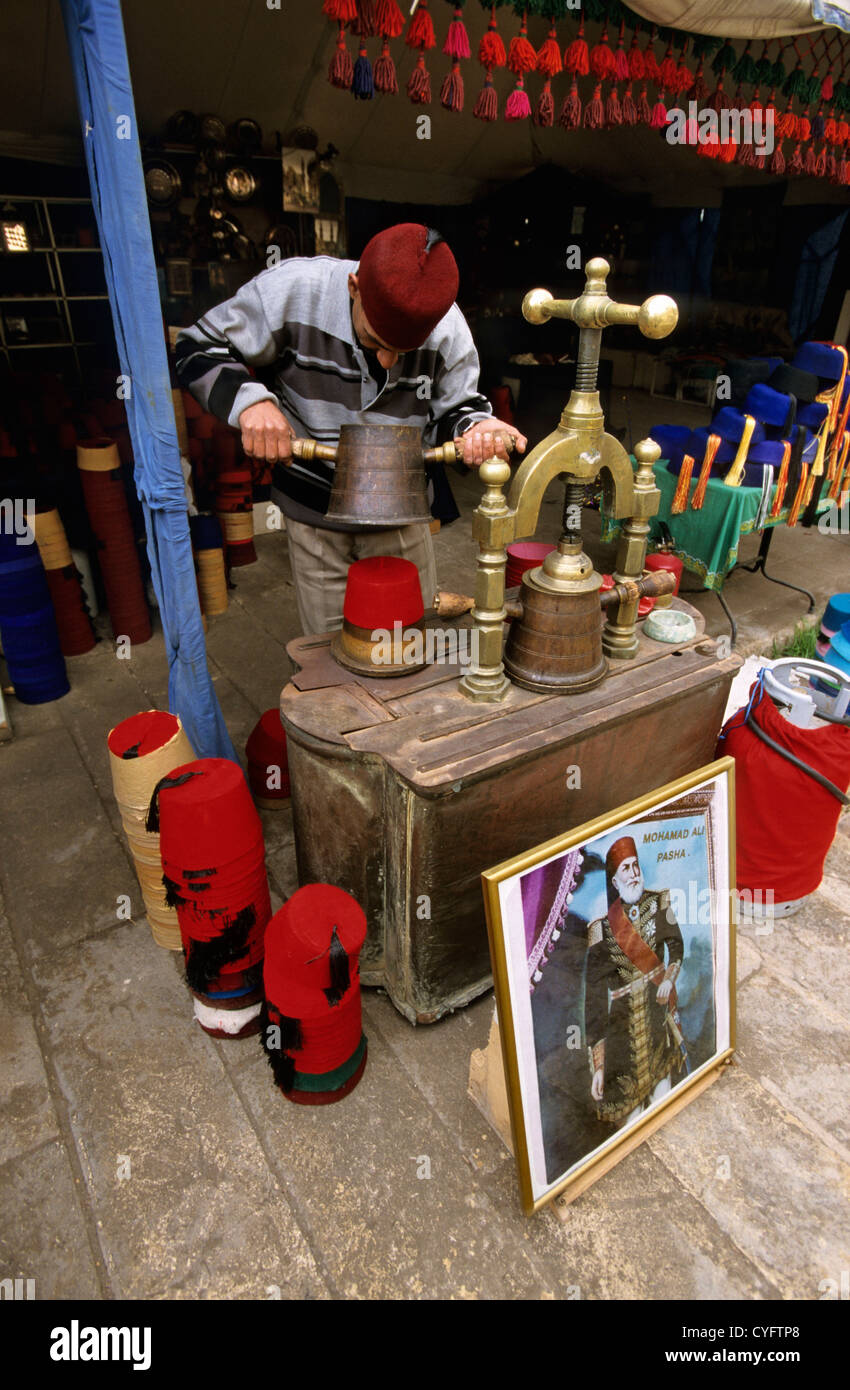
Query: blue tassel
x=817, y=127
x=363, y=85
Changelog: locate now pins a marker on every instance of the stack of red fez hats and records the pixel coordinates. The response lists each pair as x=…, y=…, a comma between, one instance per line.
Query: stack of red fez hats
x=312, y=1029
x=380, y=592
x=268, y=765
x=76, y=634
x=106, y=504
x=28, y=624
x=236, y=513
x=211, y=843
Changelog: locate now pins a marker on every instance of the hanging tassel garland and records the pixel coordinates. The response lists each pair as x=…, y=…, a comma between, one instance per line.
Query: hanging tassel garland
x=549, y=56
x=419, y=83
x=363, y=86
x=386, y=78
x=486, y=107
x=594, y=112
x=341, y=70
x=569, y=116
x=544, y=115
x=517, y=106
x=576, y=56
x=420, y=30
x=457, y=39
x=491, y=50
x=451, y=92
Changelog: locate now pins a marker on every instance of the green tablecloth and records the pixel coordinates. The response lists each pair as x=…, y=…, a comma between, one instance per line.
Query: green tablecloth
x=707, y=540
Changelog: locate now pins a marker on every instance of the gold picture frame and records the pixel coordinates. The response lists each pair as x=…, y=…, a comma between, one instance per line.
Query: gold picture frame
x=549, y=907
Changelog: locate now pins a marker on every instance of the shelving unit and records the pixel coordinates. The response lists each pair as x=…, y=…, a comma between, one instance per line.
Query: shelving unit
x=58, y=292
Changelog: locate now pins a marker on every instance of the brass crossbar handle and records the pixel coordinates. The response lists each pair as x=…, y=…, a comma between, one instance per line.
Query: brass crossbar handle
x=444, y=453
x=655, y=318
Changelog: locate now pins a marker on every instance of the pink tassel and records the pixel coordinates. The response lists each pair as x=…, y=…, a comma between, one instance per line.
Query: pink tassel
x=518, y=107
x=747, y=156
x=545, y=113
x=341, y=70
x=613, y=109
x=486, y=107
x=451, y=92
x=386, y=78
x=796, y=164
x=419, y=83
x=644, y=113
x=630, y=114
x=821, y=164
x=570, y=114
x=777, y=164
x=594, y=112
x=457, y=40
x=810, y=162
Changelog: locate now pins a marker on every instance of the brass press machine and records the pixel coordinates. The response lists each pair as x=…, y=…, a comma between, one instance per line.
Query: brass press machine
x=558, y=643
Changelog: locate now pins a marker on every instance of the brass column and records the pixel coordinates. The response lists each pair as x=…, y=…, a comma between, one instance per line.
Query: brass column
x=492, y=528
x=619, y=639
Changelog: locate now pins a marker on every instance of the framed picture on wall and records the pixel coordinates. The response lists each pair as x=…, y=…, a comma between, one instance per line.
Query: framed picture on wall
x=613, y=951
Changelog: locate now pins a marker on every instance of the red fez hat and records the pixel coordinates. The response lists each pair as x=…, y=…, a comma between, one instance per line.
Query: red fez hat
x=205, y=814
x=314, y=940
x=266, y=752
x=381, y=591
x=408, y=281
x=624, y=848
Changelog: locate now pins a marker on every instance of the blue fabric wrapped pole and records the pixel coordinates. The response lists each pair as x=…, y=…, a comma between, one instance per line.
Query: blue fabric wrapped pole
x=101, y=75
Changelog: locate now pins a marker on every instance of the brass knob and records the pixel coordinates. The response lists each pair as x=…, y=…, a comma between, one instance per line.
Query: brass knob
x=647, y=451
x=658, y=316
x=535, y=306
x=655, y=318
x=495, y=472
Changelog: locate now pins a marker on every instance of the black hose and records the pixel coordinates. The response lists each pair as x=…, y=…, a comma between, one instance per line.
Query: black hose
x=804, y=767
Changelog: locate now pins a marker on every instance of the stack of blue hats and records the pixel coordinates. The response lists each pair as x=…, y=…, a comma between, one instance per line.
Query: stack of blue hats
x=28, y=629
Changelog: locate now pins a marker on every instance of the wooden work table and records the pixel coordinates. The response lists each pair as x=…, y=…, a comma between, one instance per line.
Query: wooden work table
x=403, y=790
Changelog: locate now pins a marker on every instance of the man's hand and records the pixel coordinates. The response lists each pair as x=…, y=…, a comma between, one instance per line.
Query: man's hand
x=266, y=432
x=597, y=1085
x=482, y=441
x=663, y=993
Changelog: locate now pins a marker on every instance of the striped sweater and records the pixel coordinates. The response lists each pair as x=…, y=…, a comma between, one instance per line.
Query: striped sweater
x=292, y=325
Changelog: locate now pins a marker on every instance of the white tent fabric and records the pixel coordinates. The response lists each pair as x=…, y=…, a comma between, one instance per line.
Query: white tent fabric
x=764, y=19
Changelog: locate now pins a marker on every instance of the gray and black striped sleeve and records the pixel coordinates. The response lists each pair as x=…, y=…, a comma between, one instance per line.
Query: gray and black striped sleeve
x=212, y=357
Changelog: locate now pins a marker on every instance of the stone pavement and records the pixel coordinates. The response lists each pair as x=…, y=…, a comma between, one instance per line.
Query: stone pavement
x=141, y=1159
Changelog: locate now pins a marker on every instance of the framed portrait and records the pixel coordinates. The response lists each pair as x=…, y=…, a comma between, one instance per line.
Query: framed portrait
x=300, y=181
x=613, y=951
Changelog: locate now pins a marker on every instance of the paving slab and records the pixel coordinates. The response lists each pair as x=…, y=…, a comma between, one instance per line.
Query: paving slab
x=27, y=1117
x=42, y=1231
x=184, y=1202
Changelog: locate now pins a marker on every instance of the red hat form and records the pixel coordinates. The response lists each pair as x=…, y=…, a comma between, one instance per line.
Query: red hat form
x=408, y=280
x=624, y=848
x=205, y=813
x=268, y=763
x=381, y=591
x=312, y=1028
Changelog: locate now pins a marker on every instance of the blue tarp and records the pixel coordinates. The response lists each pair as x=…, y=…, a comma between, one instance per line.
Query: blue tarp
x=817, y=262
x=108, y=115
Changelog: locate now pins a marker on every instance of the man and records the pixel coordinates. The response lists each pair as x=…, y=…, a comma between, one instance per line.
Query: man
x=631, y=1019
x=382, y=342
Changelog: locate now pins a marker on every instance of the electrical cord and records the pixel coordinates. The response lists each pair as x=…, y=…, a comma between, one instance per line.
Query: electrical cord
x=789, y=757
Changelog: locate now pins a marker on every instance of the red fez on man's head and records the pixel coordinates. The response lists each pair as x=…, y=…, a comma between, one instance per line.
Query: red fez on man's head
x=621, y=849
x=408, y=281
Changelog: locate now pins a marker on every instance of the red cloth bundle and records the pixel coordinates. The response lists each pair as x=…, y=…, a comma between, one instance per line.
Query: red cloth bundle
x=109, y=514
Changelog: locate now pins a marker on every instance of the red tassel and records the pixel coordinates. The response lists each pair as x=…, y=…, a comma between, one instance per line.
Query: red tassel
x=630, y=114
x=821, y=163
x=728, y=151
x=827, y=89
x=843, y=132
x=810, y=162
x=786, y=125
x=651, y=69
x=601, y=57
x=545, y=113
x=420, y=31
x=796, y=164
x=718, y=101
x=549, y=57
x=668, y=69
x=747, y=155
x=830, y=130
x=594, y=112
x=570, y=114
x=636, y=68
x=658, y=120
x=457, y=39
x=341, y=70
x=613, y=109
x=804, y=128
x=386, y=79
x=486, y=107
x=342, y=10
x=644, y=113
x=576, y=59
x=842, y=170
x=684, y=76
x=709, y=148
x=700, y=89
x=451, y=92
x=366, y=25
x=517, y=106
x=419, y=83
x=389, y=18
x=777, y=164
x=832, y=167
x=621, y=62
x=491, y=50
x=521, y=56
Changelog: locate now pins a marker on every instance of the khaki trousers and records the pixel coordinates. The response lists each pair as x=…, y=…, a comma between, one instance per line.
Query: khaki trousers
x=320, y=561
